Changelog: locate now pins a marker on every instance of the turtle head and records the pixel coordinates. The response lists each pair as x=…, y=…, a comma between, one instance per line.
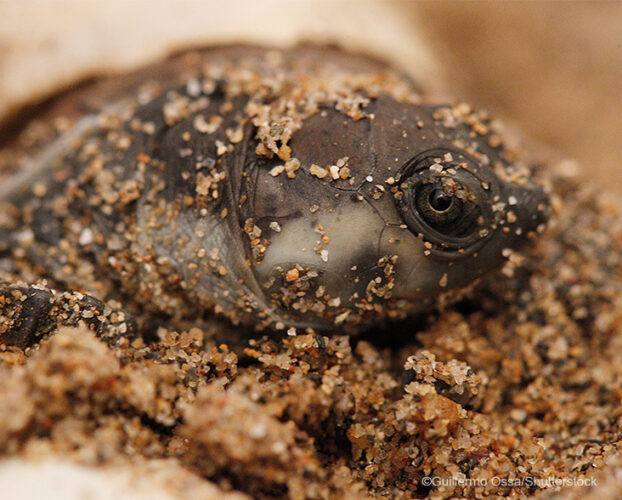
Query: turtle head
x=379, y=217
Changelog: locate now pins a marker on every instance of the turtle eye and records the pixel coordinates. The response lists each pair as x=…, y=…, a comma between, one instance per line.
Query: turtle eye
x=446, y=209
x=440, y=201
x=446, y=202
x=436, y=207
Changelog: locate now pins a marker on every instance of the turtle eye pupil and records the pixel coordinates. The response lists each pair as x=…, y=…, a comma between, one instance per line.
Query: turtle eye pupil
x=439, y=200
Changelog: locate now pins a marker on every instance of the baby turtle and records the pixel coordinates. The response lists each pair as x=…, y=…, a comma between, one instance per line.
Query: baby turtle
x=308, y=188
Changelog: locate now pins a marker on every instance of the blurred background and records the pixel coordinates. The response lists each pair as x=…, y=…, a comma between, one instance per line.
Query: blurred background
x=552, y=70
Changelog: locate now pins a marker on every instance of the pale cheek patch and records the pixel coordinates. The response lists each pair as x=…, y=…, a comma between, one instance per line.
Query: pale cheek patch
x=332, y=245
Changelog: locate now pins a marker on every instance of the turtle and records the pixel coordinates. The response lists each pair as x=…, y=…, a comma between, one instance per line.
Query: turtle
x=303, y=188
